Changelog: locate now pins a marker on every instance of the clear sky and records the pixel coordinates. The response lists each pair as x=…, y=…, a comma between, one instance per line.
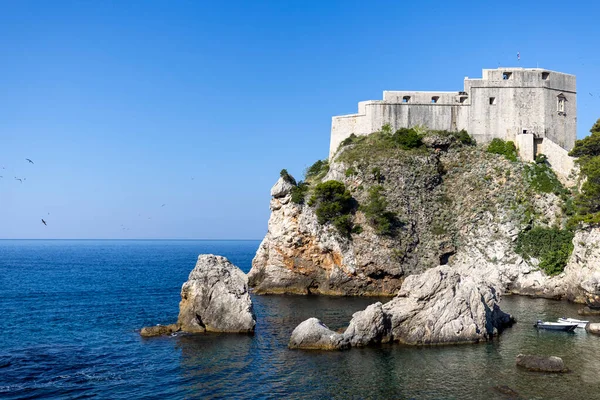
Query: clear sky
x=124, y=106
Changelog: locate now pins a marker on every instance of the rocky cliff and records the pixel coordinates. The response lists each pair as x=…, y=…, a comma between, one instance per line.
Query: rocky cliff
x=452, y=203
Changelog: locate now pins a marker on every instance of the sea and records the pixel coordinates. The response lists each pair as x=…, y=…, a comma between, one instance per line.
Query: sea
x=71, y=311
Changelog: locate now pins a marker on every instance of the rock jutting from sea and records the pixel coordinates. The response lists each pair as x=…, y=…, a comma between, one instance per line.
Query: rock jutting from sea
x=215, y=298
x=439, y=306
x=446, y=202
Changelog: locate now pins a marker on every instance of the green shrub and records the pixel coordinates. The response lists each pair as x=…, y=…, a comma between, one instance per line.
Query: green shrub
x=334, y=204
x=318, y=170
x=543, y=179
x=350, y=140
x=407, y=138
x=552, y=246
x=587, y=202
x=376, y=173
x=463, y=137
x=507, y=149
x=287, y=177
x=299, y=192
x=351, y=171
x=385, y=222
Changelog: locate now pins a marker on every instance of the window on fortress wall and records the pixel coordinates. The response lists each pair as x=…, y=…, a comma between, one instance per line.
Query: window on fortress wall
x=545, y=76
x=435, y=99
x=406, y=99
x=462, y=99
x=560, y=106
x=506, y=76
x=492, y=101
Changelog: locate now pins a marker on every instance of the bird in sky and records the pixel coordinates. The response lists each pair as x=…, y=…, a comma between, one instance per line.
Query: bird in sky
x=44, y=222
x=29, y=160
x=18, y=179
x=163, y=205
x=591, y=95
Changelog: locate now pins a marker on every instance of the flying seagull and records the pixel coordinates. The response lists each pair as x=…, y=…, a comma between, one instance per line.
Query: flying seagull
x=163, y=205
x=29, y=160
x=18, y=179
x=591, y=94
x=44, y=222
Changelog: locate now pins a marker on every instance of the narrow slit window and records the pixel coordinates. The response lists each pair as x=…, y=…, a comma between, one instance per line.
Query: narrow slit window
x=406, y=99
x=545, y=76
x=561, y=104
x=492, y=101
x=435, y=99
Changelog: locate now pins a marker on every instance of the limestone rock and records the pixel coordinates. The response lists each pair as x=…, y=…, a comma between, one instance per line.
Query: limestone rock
x=215, y=298
x=369, y=326
x=441, y=306
x=588, y=311
x=541, y=363
x=458, y=206
x=312, y=334
x=159, y=330
x=593, y=328
x=281, y=188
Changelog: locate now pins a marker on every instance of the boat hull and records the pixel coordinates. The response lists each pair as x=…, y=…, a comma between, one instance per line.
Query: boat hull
x=556, y=326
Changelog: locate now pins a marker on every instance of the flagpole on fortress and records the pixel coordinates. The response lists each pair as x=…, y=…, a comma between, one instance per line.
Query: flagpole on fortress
x=518, y=57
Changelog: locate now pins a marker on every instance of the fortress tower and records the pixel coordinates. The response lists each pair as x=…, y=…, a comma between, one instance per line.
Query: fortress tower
x=535, y=108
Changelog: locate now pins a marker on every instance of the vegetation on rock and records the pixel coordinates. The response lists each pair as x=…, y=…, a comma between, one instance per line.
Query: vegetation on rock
x=380, y=143
x=507, y=149
x=551, y=246
x=542, y=178
x=376, y=210
x=334, y=204
x=317, y=171
x=287, y=177
x=299, y=192
x=587, y=202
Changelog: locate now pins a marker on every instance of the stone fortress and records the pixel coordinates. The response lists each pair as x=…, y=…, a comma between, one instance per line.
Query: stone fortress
x=536, y=108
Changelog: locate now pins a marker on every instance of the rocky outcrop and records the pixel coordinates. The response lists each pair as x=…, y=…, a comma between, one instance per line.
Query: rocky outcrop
x=439, y=306
x=215, y=298
x=593, y=328
x=458, y=206
x=312, y=334
x=541, y=363
x=588, y=311
x=159, y=330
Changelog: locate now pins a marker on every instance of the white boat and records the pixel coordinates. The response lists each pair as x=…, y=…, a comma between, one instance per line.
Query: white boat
x=556, y=326
x=580, y=323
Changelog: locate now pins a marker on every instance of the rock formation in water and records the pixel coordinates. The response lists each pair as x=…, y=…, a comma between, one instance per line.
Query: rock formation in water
x=453, y=204
x=438, y=306
x=159, y=330
x=541, y=363
x=593, y=328
x=215, y=298
x=312, y=334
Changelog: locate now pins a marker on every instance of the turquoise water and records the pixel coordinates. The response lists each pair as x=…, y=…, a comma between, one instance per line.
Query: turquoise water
x=71, y=311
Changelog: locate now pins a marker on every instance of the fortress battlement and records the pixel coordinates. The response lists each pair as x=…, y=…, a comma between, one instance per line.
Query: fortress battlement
x=536, y=108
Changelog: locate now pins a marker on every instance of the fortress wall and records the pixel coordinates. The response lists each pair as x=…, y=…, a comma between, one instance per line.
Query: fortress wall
x=559, y=160
x=420, y=97
x=513, y=111
x=344, y=125
x=398, y=115
x=561, y=128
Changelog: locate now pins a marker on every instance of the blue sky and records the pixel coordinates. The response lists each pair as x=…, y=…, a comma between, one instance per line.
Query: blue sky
x=125, y=106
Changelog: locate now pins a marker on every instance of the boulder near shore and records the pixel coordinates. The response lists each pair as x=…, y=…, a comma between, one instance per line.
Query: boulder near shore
x=439, y=306
x=215, y=298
